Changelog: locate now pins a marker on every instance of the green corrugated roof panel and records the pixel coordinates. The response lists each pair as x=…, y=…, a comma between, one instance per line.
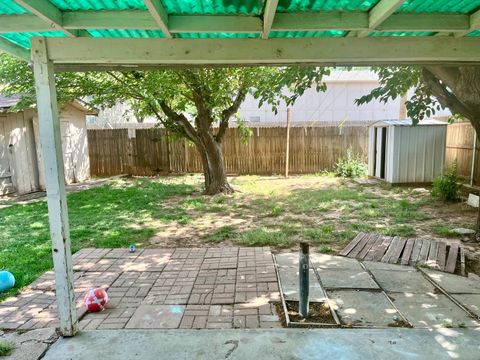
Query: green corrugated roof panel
x=244, y=7
x=72, y=5
x=440, y=6
x=474, y=33
x=402, y=33
x=216, y=36
x=23, y=38
x=306, y=34
x=325, y=5
x=10, y=7
x=118, y=33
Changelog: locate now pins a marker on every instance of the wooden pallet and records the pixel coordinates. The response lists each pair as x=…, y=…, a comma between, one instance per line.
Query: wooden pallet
x=397, y=250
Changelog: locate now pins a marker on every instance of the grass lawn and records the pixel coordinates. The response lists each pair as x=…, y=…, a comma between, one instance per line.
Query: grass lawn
x=167, y=212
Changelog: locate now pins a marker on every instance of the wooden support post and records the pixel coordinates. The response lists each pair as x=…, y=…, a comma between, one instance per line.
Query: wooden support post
x=287, y=153
x=50, y=140
x=304, y=278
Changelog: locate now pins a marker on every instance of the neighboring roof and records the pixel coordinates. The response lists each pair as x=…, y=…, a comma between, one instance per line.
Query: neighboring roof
x=408, y=122
x=7, y=102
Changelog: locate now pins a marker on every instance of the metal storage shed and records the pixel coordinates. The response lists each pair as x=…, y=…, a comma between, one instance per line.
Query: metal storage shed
x=399, y=152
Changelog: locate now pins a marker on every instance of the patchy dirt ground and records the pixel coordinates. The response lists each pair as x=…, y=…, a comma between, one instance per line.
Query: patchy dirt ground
x=325, y=211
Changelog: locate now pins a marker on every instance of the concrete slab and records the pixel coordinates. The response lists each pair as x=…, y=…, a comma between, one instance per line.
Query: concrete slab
x=290, y=285
x=362, y=308
x=403, y=281
x=324, y=261
x=375, y=265
x=454, y=284
x=470, y=301
x=338, y=279
x=275, y=344
x=156, y=317
x=431, y=310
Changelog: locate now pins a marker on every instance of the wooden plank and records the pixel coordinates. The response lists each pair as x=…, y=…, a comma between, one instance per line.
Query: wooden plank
x=442, y=255
x=452, y=258
x=397, y=250
x=352, y=244
x=51, y=143
x=415, y=251
x=462, y=261
x=356, y=250
x=390, y=249
x=423, y=255
x=432, y=254
x=379, y=253
x=407, y=252
x=371, y=241
x=376, y=247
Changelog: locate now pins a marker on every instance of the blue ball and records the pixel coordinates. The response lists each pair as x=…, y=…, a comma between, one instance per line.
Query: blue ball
x=7, y=280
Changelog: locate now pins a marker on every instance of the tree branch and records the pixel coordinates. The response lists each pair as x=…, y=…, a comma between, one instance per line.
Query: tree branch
x=228, y=113
x=180, y=119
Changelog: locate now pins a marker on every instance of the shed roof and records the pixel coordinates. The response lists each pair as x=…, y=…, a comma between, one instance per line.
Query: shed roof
x=20, y=20
x=408, y=122
x=7, y=102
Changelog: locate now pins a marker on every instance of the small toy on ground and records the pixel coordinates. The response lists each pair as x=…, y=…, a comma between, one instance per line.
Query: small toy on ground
x=96, y=300
x=132, y=248
x=7, y=280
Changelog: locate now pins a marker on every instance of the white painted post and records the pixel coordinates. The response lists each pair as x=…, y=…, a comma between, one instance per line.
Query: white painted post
x=50, y=140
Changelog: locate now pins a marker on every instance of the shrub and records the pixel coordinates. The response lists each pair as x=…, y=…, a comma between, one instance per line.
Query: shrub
x=351, y=166
x=446, y=186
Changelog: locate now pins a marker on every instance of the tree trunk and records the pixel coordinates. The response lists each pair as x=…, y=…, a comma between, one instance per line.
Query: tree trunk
x=213, y=165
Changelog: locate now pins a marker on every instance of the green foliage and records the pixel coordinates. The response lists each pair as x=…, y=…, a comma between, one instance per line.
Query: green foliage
x=6, y=347
x=446, y=186
x=265, y=237
x=351, y=166
x=443, y=230
x=221, y=234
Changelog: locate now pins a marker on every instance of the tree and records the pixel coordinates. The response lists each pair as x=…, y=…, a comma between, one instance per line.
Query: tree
x=196, y=104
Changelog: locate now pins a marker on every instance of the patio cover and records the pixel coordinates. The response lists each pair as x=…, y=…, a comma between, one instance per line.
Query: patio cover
x=76, y=35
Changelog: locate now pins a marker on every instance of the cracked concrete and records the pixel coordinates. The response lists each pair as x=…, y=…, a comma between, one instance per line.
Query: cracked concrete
x=30, y=345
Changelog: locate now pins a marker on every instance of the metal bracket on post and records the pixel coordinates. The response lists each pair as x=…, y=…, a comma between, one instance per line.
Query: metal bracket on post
x=51, y=145
x=304, y=277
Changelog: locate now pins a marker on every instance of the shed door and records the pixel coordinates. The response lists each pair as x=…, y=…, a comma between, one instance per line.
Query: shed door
x=380, y=151
x=6, y=185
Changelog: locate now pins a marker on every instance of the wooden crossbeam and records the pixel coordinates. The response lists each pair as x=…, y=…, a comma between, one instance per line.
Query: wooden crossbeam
x=159, y=14
x=139, y=19
x=47, y=12
x=187, y=52
x=380, y=13
x=268, y=16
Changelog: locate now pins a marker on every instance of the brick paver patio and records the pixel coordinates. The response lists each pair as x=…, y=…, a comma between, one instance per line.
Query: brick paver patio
x=196, y=288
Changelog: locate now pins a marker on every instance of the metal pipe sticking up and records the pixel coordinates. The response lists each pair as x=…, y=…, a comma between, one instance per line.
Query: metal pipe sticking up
x=303, y=277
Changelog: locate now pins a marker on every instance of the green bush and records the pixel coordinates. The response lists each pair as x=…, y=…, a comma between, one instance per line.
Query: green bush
x=446, y=186
x=351, y=166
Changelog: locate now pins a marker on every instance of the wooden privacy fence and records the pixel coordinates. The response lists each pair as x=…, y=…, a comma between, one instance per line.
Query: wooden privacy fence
x=460, y=146
x=150, y=151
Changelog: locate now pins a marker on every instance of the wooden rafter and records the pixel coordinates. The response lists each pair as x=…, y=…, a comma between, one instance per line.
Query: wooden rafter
x=380, y=13
x=268, y=17
x=159, y=14
x=14, y=50
x=138, y=19
x=47, y=12
x=474, y=24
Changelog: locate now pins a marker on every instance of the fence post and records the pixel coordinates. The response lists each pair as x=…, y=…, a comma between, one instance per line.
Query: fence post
x=474, y=153
x=289, y=122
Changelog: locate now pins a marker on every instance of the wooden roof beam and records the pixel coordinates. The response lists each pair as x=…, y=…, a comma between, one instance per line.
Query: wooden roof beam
x=47, y=12
x=159, y=14
x=474, y=24
x=14, y=50
x=379, y=14
x=268, y=16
